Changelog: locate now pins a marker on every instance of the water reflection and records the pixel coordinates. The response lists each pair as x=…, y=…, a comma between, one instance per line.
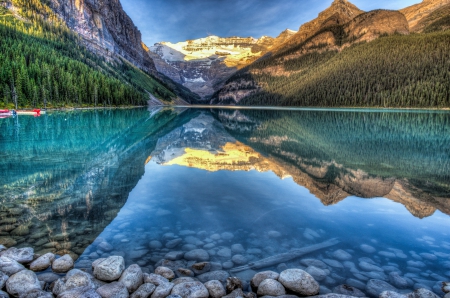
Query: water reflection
x=242, y=185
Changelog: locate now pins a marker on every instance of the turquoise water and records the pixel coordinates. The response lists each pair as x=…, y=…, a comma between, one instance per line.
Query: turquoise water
x=241, y=184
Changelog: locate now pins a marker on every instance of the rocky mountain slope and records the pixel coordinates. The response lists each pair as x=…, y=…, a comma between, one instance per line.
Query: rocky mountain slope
x=422, y=14
x=202, y=65
x=313, y=66
x=106, y=28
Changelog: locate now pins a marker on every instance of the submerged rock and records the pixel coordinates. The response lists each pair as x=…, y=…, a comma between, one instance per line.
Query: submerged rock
x=200, y=255
x=375, y=287
x=348, y=290
x=341, y=255
x=219, y=275
x=367, y=248
x=317, y=273
x=313, y=262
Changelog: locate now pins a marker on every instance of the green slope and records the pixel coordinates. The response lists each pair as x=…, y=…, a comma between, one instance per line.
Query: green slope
x=391, y=71
x=47, y=64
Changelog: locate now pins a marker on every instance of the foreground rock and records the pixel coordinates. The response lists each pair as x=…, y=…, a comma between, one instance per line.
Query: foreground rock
x=22, y=282
x=132, y=278
x=9, y=266
x=43, y=262
x=63, y=264
x=115, y=289
x=215, y=288
x=109, y=269
x=144, y=291
x=260, y=276
x=299, y=281
x=271, y=287
x=193, y=289
x=375, y=287
x=20, y=255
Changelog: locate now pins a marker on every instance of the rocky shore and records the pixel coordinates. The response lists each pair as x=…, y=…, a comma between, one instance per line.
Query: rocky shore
x=26, y=274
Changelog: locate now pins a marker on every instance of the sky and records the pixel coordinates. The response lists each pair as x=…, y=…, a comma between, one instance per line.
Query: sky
x=180, y=20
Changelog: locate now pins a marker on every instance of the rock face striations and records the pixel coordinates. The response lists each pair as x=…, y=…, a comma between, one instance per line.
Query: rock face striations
x=202, y=65
x=418, y=15
x=105, y=28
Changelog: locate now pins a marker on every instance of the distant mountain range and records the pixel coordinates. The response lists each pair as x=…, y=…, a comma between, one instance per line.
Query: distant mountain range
x=344, y=57
x=316, y=65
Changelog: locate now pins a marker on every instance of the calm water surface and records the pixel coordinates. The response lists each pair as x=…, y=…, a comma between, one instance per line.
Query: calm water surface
x=242, y=185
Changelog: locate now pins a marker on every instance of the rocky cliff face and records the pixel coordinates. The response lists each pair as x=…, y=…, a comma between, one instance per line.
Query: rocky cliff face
x=105, y=28
x=339, y=13
x=417, y=14
x=202, y=65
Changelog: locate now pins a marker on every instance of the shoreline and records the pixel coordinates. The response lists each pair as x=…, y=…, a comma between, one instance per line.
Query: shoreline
x=26, y=274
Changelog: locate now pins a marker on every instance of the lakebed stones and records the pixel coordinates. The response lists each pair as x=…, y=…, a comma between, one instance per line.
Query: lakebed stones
x=109, y=269
x=200, y=255
x=367, y=248
x=215, y=288
x=271, y=287
x=165, y=272
x=20, y=255
x=219, y=275
x=375, y=287
x=132, y=278
x=144, y=291
x=114, y=289
x=22, y=282
x=193, y=289
x=260, y=276
x=43, y=262
x=63, y=264
x=163, y=290
x=299, y=282
x=9, y=266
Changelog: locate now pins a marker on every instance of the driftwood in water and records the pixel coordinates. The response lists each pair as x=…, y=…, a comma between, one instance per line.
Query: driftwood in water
x=287, y=256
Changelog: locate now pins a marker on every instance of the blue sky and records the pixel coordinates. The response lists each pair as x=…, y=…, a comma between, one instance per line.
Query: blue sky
x=180, y=20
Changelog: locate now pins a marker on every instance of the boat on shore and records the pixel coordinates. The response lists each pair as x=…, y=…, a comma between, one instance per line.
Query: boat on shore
x=4, y=113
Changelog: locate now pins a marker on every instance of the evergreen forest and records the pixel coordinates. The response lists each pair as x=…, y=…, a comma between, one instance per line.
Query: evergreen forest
x=44, y=64
x=391, y=71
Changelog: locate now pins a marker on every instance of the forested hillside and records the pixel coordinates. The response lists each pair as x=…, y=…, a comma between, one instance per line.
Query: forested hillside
x=44, y=64
x=350, y=58
x=392, y=71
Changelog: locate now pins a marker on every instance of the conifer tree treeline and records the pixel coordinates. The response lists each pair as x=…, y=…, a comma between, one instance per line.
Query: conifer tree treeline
x=44, y=63
x=392, y=71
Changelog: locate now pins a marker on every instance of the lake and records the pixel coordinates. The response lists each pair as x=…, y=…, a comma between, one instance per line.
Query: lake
x=366, y=191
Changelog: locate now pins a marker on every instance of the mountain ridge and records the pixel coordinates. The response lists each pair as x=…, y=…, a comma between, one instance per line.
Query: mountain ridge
x=203, y=64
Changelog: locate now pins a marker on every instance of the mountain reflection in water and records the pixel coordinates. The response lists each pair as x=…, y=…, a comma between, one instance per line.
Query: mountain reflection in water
x=133, y=179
